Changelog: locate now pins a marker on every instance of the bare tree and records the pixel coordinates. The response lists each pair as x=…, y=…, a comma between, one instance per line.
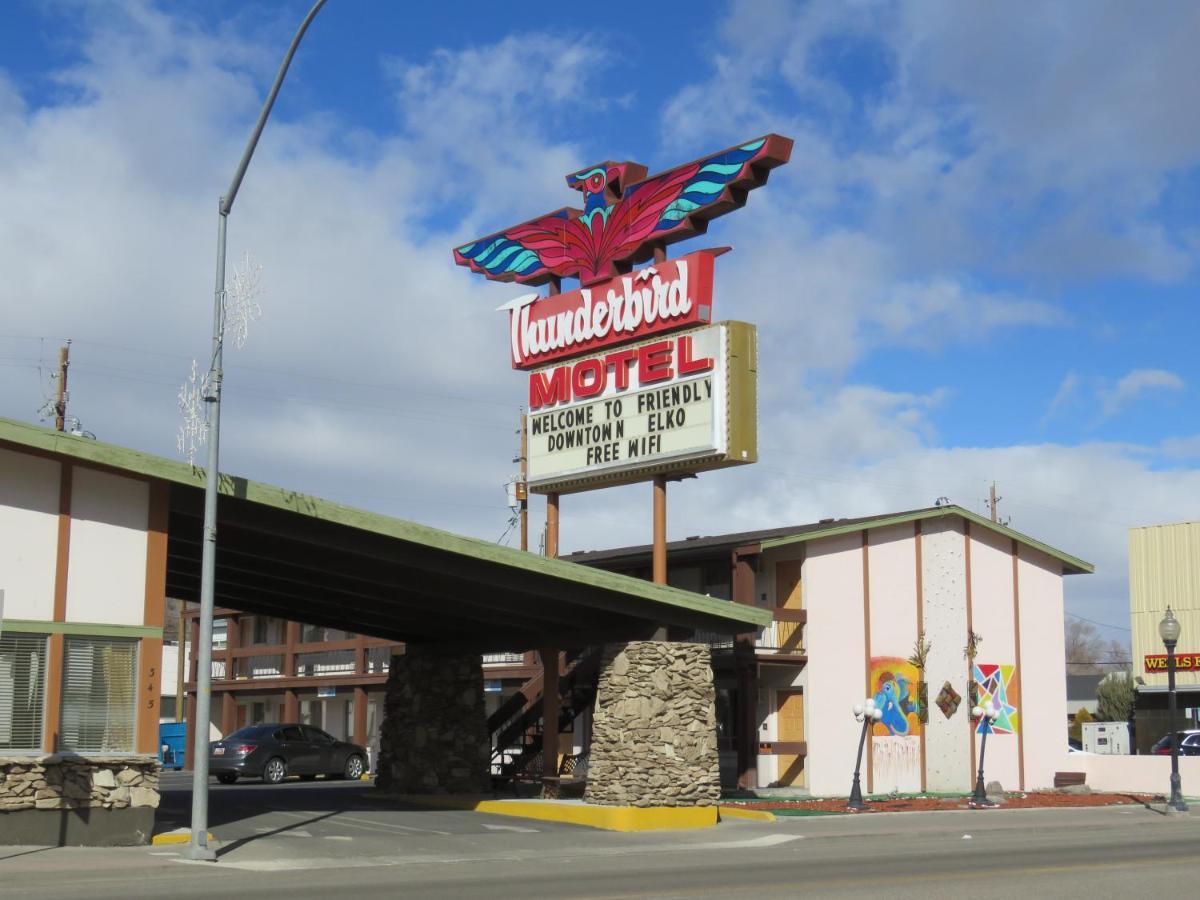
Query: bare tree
x=1088, y=653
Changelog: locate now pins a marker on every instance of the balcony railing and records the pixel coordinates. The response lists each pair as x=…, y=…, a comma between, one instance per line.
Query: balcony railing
x=379, y=659
x=269, y=666
x=503, y=659
x=336, y=662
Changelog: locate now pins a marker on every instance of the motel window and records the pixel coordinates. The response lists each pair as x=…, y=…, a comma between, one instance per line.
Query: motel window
x=22, y=690
x=99, y=686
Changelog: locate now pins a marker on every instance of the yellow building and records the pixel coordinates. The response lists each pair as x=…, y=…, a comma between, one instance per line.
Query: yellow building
x=1164, y=570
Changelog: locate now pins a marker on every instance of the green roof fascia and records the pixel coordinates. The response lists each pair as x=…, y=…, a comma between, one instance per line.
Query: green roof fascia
x=147, y=465
x=1074, y=564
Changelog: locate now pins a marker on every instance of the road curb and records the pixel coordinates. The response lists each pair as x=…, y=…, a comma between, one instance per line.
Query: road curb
x=178, y=836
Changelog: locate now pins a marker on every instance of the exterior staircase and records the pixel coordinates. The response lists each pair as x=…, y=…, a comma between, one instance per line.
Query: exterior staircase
x=516, y=728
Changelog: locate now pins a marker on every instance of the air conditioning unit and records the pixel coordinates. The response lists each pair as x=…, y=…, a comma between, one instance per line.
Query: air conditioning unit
x=1110, y=738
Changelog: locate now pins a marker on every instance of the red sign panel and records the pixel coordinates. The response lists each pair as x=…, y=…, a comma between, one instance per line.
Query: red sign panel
x=1184, y=662
x=662, y=297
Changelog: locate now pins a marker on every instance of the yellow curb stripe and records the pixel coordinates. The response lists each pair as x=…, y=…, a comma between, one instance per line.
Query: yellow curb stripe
x=609, y=818
x=754, y=815
x=175, y=837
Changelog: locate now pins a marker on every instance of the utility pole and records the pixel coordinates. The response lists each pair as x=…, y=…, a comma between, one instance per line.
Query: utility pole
x=523, y=484
x=60, y=400
x=992, y=503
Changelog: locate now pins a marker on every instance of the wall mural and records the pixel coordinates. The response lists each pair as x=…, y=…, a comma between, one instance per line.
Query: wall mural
x=997, y=683
x=894, y=688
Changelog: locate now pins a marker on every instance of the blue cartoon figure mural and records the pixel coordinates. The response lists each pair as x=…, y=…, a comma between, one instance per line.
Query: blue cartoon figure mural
x=895, y=692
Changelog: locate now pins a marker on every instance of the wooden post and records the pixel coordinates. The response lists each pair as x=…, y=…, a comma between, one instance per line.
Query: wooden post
x=182, y=643
x=744, y=585
x=660, y=529
x=552, y=525
x=360, y=715
x=228, y=713
x=550, y=714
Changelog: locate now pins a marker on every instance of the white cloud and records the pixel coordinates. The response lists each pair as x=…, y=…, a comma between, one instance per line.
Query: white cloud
x=1067, y=389
x=994, y=140
x=1131, y=386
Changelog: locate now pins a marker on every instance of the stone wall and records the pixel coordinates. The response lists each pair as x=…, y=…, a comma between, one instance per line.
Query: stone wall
x=654, y=728
x=67, y=781
x=110, y=799
x=434, y=738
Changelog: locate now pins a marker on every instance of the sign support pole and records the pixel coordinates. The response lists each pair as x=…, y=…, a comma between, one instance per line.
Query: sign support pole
x=660, y=529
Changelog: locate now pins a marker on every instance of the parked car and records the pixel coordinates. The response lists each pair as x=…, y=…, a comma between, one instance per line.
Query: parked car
x=273, y=752
x=1189, y=744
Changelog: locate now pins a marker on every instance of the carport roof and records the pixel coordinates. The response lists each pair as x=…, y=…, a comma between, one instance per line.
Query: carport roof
x=284, y=553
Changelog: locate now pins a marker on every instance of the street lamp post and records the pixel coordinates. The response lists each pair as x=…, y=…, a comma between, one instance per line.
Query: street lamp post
x=1168, y=630
x=867, y=713
x=199, y=848
x=988, y=715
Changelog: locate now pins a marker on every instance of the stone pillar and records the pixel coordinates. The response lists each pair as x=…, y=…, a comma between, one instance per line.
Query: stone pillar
x=654, y=729
x=434, y=738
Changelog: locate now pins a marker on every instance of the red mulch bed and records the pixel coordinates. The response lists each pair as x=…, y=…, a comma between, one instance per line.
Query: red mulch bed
x=1032, y=800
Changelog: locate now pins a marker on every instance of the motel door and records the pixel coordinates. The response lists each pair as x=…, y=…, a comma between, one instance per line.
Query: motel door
x=790, y=727
x=789, y=594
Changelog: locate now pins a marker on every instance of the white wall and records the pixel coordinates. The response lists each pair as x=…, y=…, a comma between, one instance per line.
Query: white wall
x=29, y=487
x=944, y=584
x=833, y=584
x=1043, y=657
x=106, y=582
x=1137, y=774
x=992, y=617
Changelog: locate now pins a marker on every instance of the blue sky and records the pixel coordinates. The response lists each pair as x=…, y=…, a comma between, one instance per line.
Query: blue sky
x=979, y=265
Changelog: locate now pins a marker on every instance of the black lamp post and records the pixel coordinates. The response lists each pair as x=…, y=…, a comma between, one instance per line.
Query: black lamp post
x=987, y=714
x=867, y=713
x=1168, y=630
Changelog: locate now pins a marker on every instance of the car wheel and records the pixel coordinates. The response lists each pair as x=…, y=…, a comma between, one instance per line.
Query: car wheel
x=227, y=777
x=354, y=768
x=274, y=771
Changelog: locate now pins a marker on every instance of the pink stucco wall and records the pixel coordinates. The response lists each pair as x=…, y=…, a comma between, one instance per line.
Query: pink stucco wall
x=836, y=665
x=895, y=759
x=1044, y=680
x=992, y=619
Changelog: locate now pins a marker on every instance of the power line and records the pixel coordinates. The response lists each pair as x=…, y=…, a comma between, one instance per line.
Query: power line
x=1094, y=622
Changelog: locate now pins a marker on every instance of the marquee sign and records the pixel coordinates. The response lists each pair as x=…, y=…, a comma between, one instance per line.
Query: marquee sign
x=682, y=403
x=628, y=376
x=1156, y=663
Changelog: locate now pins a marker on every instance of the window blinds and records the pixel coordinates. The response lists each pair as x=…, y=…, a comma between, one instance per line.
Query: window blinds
x=99, y=687
x=22, y=690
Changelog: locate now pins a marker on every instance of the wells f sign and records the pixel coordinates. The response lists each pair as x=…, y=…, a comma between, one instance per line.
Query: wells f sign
x=1184, y=662
x=659, y=298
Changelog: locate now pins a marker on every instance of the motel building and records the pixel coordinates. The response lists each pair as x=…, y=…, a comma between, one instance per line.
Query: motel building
x=849, y=599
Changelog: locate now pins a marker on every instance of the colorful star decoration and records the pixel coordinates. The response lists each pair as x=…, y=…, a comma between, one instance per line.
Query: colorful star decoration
x=995, y=683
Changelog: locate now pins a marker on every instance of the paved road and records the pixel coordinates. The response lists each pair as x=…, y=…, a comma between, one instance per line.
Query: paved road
x=327, y=840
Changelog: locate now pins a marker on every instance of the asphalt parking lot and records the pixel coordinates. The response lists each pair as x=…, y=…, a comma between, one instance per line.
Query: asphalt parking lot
x=327, y=811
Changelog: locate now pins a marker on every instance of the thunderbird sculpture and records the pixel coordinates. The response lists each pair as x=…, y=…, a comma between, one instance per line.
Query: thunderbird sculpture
x=625, y=217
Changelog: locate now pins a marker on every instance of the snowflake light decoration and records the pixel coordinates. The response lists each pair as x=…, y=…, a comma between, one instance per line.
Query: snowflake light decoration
x=241, y=305
x=193, y=431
